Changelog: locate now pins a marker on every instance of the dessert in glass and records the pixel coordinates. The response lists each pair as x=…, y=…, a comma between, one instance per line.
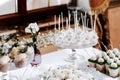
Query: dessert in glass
x=14, y=54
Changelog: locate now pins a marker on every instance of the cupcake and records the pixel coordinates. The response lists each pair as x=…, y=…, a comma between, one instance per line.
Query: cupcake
x=113, y=70
x=109, y=52
x=92, y=61
x=118, y=63
x=20, y=60
x=100, y=64
x=4, y=63
x=106, y=57
x=116, y=51
x=112, y=55
x=104, y=54
x=99, y=56
x=108, y=63
x=116, y=59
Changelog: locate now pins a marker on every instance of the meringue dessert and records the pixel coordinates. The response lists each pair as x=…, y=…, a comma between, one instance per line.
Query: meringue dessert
x=107, y=62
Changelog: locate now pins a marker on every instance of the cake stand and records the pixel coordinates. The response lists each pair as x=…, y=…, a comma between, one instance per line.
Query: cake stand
x=74, y=39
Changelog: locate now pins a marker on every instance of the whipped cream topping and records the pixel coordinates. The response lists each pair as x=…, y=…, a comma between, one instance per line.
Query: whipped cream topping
x=118, y=62
x=116, y=51
x=111, y=55
x=109, y=52
x=114, y=65
x=93, y=58
x=100, y=60
x=110, y=61
x=106, y=57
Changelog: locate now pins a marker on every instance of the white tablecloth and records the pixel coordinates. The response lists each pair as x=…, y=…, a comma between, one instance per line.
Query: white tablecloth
x=51, y=59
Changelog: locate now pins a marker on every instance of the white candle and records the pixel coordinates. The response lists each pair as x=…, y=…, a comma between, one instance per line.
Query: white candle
x=85, y=21
x=95, y=22
x=59, y=23
x=55, y=22
x=82, y=20
x=62, y=19
x=66, y=23
x=69, y=16
x=74, y=21
x=91, y=21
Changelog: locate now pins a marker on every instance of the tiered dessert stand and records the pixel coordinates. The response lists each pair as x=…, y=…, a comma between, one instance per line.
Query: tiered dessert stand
x=76, y=37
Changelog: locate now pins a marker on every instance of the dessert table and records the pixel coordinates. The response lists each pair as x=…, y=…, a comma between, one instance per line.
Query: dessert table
x=50, y=60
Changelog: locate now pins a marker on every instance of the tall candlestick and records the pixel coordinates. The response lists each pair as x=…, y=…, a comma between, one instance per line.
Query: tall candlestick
x=55, y=22
x=59, y=23
x=62, y=19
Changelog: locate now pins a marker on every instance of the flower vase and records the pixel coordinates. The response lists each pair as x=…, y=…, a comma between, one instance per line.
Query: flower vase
x=37, y=57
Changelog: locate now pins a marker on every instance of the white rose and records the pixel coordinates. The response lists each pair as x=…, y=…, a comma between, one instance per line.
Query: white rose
x=14, y=51
x=6, y=45
x=10, y=42
x=20, y=47
x=4, y=60
x=21, y=42
x=32, y=26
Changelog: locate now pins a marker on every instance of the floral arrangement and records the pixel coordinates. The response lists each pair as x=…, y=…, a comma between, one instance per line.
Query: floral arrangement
x=13, y=50
x=33, y=29
x=6, y=43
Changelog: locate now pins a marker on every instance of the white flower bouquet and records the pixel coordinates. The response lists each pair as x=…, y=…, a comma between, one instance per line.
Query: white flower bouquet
x=33, y=29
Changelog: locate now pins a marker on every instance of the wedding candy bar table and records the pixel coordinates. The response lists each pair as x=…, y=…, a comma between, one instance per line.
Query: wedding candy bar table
x=53, y=59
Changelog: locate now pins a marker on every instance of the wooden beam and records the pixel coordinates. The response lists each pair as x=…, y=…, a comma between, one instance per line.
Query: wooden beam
x=22, y=7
